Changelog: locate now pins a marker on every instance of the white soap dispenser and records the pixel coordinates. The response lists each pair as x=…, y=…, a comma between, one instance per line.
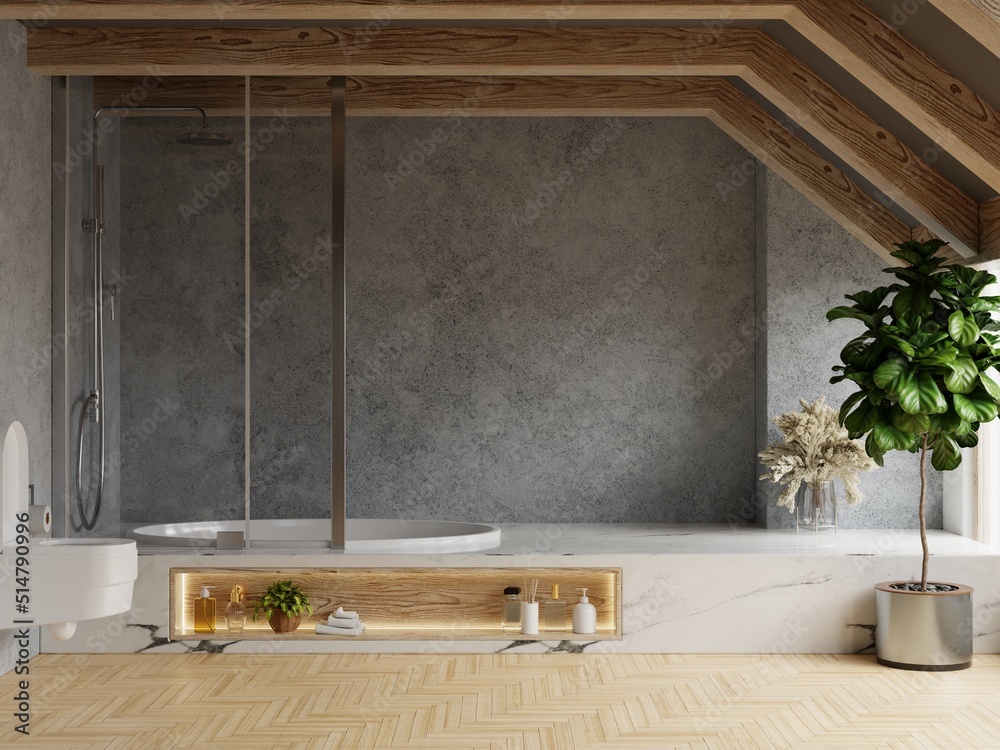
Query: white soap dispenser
x=584, y=616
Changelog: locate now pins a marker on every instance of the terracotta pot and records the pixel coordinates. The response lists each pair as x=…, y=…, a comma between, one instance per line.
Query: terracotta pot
x=282, y=623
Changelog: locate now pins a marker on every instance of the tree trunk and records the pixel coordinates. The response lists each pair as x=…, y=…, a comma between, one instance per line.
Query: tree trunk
x=923, y=518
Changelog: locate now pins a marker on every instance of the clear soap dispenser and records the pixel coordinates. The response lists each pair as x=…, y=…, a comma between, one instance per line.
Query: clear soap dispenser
x=236, y=611
x=555, y=611
x=204, y=612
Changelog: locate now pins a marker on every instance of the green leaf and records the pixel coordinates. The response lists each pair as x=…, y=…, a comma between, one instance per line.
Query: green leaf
x=968, y=440
x=850, y=403
x=856, y=351
x=888, y=376
x=981, y=304
x=976, y=407
x=911, y=299
x=919, y=394
x=947, y=422
x=962, y=328
x=962, y=376
x=943, y=357
x=916, y=424
x=869, y=302
x=946, y=455
x=928, y=338
x=861, y=420
x=990, y=385
x=851, y=312
x=872, y=449
x=900, y=345
x=889, y=438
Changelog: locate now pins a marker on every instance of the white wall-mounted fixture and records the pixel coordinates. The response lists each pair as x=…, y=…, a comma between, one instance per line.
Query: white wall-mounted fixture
x=59, y=581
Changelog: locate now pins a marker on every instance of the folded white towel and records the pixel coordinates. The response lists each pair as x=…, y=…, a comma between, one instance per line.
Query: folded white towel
x=349, y=615
x=334, y=621
x=339, y=622
x=322, y=629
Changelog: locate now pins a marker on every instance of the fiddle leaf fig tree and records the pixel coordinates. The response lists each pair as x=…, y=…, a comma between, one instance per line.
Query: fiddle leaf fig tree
x=922, y=364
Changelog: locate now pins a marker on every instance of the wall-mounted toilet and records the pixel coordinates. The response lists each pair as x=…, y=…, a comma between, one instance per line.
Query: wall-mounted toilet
x=68, y=579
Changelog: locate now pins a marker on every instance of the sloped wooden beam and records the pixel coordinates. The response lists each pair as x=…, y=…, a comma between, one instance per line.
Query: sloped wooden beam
x=863, y=216
x=865, y=146
x=944, y=108
x=715, y=98
x=989, y=226
x=980, y=18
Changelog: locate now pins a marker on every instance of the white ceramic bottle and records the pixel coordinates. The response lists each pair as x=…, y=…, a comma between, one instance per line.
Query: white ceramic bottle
x=584, y=616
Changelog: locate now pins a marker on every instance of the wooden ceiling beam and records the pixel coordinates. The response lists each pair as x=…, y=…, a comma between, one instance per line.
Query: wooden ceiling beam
x=884, y=160
x=979, y=18
x=714, y=98
x=846, y=30
x=960, y=122
x=989, y=227
x=264, y=11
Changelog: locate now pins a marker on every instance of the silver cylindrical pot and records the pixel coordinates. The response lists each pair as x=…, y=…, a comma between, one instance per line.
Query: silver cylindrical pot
x=924, y=630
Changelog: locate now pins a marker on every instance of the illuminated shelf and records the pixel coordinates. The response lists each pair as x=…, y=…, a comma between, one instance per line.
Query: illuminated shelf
x=307, y=632
x=398, y=604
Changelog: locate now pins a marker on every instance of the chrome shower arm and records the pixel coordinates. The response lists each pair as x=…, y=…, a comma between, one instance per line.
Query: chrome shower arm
x=151, y=108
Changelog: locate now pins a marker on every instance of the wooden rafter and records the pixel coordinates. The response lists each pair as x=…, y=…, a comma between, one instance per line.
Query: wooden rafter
x=980, y=18
x=989, y=227
x=875, y=153
x=846, y=30
x=714, y=98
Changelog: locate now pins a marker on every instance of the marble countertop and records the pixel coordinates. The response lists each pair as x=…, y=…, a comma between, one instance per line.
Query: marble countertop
x=676, y=539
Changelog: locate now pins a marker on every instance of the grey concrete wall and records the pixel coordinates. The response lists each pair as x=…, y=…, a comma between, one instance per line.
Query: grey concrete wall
x=533, y=307
x=181, y=371
x=25, y=260
x=811, y=264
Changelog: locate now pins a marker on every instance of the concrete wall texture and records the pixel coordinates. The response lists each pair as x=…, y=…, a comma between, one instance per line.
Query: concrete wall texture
x=812, y=262
x=548, y=320
x=26, y=260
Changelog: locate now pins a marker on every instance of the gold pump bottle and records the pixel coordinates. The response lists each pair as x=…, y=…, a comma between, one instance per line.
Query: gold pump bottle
x=204, y=612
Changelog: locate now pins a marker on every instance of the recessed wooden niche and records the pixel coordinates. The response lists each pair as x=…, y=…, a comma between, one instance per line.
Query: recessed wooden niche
x=399, y=603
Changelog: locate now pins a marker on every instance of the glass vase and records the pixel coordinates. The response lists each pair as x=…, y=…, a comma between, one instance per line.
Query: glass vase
x=816, y=507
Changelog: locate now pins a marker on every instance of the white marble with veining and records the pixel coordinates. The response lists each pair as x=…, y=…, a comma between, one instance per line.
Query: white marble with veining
x=685, y=589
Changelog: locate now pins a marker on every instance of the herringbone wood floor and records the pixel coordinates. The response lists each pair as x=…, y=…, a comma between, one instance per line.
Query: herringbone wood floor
x=501, y=701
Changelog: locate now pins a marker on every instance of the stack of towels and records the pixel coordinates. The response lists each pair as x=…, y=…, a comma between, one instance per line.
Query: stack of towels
x=341, y=623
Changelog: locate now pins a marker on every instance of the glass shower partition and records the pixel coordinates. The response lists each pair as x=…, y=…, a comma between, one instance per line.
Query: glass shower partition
x=172, y=298
x=293, y=251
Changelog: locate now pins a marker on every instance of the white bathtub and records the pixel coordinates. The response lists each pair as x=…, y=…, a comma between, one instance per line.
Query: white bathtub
x=363, y=535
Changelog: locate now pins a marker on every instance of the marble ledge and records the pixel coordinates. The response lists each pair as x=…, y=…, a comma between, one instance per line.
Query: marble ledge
x=560, y=539
x=684, y=590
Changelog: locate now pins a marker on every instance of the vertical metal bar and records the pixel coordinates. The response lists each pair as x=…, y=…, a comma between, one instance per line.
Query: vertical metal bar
x=247, y=541
x=338, y=120
x=61, y=437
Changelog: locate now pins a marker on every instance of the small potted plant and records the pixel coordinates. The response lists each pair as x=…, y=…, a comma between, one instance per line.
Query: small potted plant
x=284, y=604
x=922, y=368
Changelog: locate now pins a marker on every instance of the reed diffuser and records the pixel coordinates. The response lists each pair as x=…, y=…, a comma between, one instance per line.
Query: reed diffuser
x=529, y=608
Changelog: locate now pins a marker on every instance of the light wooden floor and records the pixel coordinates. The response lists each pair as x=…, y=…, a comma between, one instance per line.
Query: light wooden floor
x=505, y=701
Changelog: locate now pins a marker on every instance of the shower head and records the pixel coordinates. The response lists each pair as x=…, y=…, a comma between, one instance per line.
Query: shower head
x=204, y=138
